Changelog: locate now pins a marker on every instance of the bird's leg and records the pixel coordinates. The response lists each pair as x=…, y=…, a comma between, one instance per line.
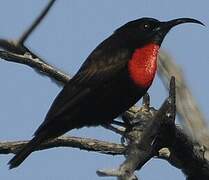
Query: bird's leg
x=146, y=102
x=126, y=125
x=123, y=134
x=118, y=123
x=127, y=117
x=120, y=128
x=117, y=130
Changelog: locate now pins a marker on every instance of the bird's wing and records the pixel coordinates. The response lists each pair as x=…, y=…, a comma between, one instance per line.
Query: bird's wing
x=99, y=68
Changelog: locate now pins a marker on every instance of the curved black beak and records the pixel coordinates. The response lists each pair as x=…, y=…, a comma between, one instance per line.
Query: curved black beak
x=164, y=27
x=172, y=23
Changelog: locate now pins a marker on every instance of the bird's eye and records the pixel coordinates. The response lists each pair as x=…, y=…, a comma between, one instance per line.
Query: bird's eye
x=145, y=26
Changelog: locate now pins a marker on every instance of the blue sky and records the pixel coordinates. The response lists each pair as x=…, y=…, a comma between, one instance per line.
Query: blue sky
x=70, y=32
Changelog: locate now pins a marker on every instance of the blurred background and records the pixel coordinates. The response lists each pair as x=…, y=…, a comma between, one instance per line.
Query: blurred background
x=72, y=29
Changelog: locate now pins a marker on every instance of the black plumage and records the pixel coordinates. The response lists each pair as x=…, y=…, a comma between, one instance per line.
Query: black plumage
x=102, y=89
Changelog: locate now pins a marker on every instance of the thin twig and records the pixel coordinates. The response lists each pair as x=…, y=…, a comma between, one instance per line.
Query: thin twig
x=28, y=32
x=17, y=46
x=67, y=141
x=36, y=64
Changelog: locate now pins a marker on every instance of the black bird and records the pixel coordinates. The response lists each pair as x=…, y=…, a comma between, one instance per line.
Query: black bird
x=111, y=80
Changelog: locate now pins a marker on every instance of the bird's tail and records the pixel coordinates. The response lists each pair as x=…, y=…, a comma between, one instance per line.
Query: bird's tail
x=25, y=152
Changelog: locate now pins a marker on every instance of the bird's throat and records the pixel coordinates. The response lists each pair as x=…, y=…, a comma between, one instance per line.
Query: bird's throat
x=143, y=65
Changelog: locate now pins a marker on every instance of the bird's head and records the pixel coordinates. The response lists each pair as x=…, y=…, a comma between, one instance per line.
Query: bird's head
x=149, y=30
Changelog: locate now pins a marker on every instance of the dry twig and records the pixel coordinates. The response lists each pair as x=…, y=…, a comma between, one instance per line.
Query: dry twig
x=187, y=108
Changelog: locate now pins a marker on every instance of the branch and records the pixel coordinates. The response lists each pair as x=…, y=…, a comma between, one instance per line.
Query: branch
x=161, y=138
x=37, y=21
x=141, y=140
x=185, y=154
x=187, y=108
x=64, y=141
x=16, y=49
x=17, y=46
x=37, y=64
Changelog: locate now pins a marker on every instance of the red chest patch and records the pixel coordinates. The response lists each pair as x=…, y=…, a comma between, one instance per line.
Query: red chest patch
x=143, y=65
